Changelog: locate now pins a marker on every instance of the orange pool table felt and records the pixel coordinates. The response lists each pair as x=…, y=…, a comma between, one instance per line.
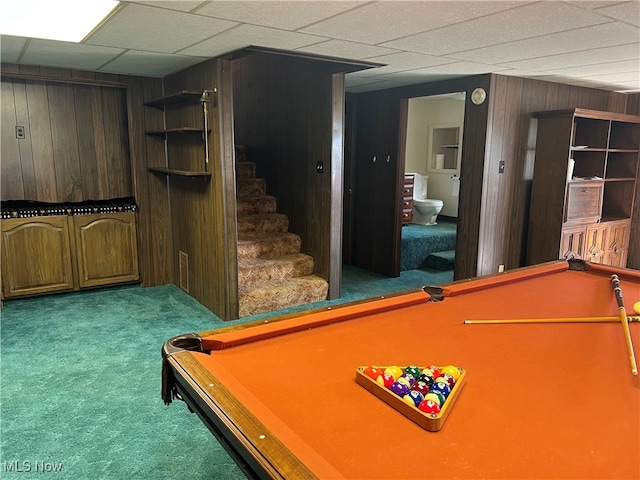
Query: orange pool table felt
x=541, y=401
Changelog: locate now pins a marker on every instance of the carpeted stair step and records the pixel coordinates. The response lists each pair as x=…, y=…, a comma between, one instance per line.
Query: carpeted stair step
x=245, y=170
x=251, y=187
x=269, y=246
x=261, y=224
x=441, y=260
x=254, y=205
x=283, y=294
x=254, y=271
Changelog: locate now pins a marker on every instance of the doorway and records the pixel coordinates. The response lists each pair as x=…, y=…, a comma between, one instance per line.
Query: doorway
x=433, y=152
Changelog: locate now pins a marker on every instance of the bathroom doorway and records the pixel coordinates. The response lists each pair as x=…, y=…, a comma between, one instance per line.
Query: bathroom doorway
x=433, y=151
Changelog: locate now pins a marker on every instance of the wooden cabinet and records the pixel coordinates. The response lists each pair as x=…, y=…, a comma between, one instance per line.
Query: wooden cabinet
x=61, y=253
x=36, y=256
x=407, y=200
x=181, y=137
x=106, y=249
x=585, y=178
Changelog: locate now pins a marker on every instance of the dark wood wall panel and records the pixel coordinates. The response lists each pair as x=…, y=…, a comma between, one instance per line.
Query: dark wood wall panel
x=203, y=210
x=105, y=125
x=154, y=225
x=511, y=138
x=76, y=146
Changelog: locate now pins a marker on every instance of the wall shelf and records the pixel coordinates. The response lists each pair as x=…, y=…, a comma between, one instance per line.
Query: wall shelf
x=182, y=96
x=162, y=133
x=181, y=173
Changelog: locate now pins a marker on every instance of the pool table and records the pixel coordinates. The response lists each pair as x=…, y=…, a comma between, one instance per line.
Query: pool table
x=540, y=400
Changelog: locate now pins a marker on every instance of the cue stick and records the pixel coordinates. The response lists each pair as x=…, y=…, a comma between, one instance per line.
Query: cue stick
x=617, y=290
x=554, y=320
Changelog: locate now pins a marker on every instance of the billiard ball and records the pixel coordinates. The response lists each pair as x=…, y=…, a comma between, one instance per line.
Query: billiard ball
x=394, y=370
x=426, y=378
x=413, y=371
x=451, y=370
x=436, y=397
x=421, y=387
x=445, y=377
x=442, y=387
x=413, y=398
x=373, y=372
x=636, y=307
x=428, y=406
x=434, y=370
x=405, y=381
x=385, y=380
x=399, y=389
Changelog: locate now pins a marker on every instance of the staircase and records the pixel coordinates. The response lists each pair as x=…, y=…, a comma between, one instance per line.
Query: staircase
x=272, y=272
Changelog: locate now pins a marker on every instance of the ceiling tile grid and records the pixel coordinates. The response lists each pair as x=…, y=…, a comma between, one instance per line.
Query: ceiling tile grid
x=592, y=42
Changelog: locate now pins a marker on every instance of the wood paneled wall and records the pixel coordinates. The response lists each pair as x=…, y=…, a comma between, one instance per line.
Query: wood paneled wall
x=511, y=138
x=377, y=187
x=289, y=114
x=493, y=209
x=76, y=144
x=203, y=210
x=92, y=146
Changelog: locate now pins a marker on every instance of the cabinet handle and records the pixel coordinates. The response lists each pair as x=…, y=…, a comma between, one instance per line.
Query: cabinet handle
x=388, y=158
x=374, y=159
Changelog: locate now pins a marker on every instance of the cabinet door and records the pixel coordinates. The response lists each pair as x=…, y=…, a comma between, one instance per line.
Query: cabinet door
x=617, y=243
x=107, y=250
x=36, y=256
x=572, y=242
x=596, y=243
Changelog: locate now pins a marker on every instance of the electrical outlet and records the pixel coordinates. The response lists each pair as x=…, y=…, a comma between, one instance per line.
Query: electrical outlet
x=20, y=132
x=500, y=268
x=501, y=166
x=319, y=166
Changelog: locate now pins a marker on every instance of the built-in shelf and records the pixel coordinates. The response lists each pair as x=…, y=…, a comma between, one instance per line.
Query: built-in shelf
x=181, y=173
x=183, y=96
x=162, y=133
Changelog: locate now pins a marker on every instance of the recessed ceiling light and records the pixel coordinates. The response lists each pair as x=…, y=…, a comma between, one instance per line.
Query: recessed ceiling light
x=67, y=20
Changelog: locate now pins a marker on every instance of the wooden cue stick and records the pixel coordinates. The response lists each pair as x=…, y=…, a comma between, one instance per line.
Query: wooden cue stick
x=554, y=320
x=617, y=290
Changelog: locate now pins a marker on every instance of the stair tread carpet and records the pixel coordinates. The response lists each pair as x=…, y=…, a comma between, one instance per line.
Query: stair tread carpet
x=269, y=246
x=254, y=271
x=441, y=260
x=255, y=205
x=283, y=294
x=261, y=224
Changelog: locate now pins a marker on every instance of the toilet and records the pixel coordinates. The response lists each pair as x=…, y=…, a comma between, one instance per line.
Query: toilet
x=425, y=210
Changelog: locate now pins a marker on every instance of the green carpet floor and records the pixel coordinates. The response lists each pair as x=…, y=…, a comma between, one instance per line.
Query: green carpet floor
x=419, y=241
x=80, y=382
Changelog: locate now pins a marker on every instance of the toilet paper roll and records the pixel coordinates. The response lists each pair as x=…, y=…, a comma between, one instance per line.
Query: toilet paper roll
x=455, y=191
x=440, y=161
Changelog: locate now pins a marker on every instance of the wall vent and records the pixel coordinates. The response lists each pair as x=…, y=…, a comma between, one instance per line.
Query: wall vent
x=184, y=270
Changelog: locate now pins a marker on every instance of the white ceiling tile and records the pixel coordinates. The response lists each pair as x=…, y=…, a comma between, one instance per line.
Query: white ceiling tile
x=180, y=5
x=379, y=22
x=246, y=35
x=631, y=76
x=527, y=21
x=344, y=49
x=287, y=15
x=586, y=57
x=554, y=44
x=460, y=68
x=628, y=12
x=68, y=54
x=10, y=48
x=141, y=27
x=600, y=69
x=152, y=64
x=397, y=62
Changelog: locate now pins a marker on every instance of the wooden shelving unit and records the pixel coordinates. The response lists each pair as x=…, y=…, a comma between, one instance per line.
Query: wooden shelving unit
x=174, y=100
x=585, y=178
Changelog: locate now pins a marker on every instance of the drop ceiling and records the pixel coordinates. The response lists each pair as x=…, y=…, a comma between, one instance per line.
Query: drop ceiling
x=586, y=43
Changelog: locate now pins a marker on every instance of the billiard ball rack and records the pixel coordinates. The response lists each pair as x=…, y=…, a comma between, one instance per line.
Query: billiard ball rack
x=431, y=422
